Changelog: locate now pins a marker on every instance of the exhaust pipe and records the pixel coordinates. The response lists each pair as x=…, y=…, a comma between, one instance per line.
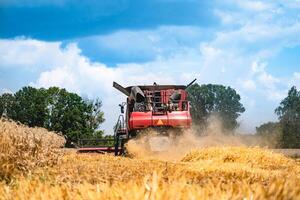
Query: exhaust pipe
x=137, y=94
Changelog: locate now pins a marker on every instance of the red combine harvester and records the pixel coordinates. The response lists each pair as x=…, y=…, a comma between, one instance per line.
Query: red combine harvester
x=157, y=107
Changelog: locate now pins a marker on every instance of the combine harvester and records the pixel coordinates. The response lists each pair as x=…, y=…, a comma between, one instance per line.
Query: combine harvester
x=162, y=108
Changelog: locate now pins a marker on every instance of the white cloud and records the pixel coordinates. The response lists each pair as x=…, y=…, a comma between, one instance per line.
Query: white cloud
x=248, y=84
x=254, y=5
x=63, y=77
x=258, y=67
x=67, y=68
x=225, y=17
x=268, y=80
x=164, y=41
x=253, y=35
x=263, y=24
x=295, y=81
x=272, y=87
x=29, y=53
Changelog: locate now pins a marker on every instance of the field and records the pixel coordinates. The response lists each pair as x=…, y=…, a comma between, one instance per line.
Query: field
x=32, y=166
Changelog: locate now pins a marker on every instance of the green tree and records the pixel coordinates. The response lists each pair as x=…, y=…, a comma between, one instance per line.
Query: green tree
x=66, y=114
x=95, y=114
x=6, y=104
x=215, y=99
x=270, y=134
x=29, y=106
x=289, y=116
x=70, y=114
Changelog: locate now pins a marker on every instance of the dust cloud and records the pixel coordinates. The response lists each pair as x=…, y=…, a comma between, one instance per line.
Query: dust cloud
x=213, y=135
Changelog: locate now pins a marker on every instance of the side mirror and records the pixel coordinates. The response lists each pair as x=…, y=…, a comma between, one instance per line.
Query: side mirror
x=122, y=108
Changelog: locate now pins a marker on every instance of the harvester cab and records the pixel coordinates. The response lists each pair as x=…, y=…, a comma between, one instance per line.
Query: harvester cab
x=156, y=107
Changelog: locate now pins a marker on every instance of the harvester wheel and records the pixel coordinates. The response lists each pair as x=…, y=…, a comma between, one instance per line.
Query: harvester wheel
x=123, y=150
x=117, y=144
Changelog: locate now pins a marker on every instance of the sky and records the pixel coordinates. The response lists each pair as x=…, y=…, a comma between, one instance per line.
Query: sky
x=83, y=46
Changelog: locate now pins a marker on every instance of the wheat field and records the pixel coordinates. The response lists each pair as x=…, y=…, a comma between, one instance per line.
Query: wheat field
x=34, y=167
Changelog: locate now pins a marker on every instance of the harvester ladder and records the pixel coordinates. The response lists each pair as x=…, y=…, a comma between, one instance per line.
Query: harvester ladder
x=119, y=132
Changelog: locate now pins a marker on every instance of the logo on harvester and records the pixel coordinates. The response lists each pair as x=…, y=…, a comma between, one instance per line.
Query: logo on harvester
x=160, y=122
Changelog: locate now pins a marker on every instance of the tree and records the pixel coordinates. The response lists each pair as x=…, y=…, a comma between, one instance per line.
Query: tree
x=55, y=109
x=6, y=104
x=215, y=99
x=66, y=114
x=29, y=106
x=71, y=115
x=270, y=134
x=289, y=116
x=96, y=116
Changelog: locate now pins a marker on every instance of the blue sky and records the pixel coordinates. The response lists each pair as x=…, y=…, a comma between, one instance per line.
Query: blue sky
x=250, y=45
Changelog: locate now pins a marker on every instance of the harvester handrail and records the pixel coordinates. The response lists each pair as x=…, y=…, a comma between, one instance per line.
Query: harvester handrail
x=154, y=104
x=98, y=140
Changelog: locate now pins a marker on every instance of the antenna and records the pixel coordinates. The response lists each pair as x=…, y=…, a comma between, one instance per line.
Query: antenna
x=191, y=83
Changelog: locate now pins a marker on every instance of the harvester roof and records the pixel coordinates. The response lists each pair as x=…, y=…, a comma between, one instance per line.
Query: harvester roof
x=128, y=90
x=157, y=87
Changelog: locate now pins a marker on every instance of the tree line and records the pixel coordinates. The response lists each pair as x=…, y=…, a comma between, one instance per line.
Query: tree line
x=59, y=110
x=287, y=130
x=225, y=102
x=218, y=100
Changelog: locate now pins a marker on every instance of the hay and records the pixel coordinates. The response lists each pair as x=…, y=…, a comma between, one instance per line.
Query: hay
x=205, y=173
x=23, y=149
x=201, y=174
